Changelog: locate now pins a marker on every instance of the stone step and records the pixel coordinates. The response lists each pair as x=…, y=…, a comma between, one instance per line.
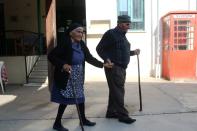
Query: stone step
x=41, y=63
x=37, y=80
x=36, y=84
x=35, y=73
x=40, y=68
x=38, y=76
x=40, y=72
x=43, y=59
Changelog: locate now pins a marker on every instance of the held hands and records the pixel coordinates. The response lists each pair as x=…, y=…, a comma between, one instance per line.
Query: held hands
x=137, y=51
x=108, y=64
x=67, y=68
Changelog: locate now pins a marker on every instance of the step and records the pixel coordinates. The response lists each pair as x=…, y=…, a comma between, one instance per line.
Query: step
x=38, y=76
x=36, y=84
x=43, y=59
x=37, y=80
x=45, y=73
x=39, y=63
x=40, y=68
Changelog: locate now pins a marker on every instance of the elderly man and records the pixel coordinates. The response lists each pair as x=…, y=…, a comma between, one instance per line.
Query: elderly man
x=114, y=48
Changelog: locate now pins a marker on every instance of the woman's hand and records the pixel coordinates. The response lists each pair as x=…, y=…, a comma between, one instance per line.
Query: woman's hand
x=67, y=68
x=108, y=64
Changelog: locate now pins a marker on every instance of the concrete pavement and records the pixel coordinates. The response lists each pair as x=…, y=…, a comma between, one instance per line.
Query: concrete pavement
x=167, y=106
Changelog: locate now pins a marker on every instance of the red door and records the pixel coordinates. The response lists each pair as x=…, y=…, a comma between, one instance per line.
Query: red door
x=183, y=51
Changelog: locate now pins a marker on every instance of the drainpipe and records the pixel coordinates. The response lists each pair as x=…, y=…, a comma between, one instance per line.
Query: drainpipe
x=152, y=44
x=158, y=51
x=39, y=26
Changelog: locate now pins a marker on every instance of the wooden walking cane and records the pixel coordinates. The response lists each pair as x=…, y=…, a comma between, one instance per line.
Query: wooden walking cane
x=139, y=83
x=77, y=106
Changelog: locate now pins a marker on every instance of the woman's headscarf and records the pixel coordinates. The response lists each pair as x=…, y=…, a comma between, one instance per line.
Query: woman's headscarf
x=72, y=27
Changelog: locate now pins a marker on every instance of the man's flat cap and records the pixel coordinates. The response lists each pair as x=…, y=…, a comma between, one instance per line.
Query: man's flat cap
x=124, y=19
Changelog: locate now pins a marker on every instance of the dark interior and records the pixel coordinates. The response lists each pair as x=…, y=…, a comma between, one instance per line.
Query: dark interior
x=70, y=10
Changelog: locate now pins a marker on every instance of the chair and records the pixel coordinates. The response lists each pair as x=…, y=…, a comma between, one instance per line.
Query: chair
x=1, y=80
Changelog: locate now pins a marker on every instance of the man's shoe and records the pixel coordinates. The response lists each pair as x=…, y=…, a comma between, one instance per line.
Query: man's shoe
x=59, y=128
x=88, y=123
x=126, y=120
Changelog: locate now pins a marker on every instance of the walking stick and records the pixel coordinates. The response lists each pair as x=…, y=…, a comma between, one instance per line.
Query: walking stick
x=139, y=83
x=77, y=106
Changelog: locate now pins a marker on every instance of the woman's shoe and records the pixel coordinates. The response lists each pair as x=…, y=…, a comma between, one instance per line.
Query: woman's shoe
x=59, y=128
x=86, y=122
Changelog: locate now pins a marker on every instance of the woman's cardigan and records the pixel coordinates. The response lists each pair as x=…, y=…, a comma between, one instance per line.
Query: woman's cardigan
x=62, y=54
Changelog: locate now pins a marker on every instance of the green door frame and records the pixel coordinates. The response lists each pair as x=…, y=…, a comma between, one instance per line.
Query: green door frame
x=39, y=26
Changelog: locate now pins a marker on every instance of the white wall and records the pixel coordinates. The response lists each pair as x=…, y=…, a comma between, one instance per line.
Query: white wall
x=104, y=10
x=149, y=40
x=15, y=67
x=101, y=10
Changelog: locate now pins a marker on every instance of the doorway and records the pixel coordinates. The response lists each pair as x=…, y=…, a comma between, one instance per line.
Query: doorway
x=2, y=29
x=68, y=11
x=61, y=13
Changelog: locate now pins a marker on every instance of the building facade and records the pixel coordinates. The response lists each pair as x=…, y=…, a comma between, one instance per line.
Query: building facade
x=145, y=33
x=49, y=17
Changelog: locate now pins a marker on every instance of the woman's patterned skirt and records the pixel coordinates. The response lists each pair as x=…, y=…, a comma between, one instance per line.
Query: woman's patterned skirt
x=74, y=91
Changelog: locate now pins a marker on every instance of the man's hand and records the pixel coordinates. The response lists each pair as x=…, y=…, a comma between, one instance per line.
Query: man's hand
x=137, y=51
x=108, y=64
x=67, y=68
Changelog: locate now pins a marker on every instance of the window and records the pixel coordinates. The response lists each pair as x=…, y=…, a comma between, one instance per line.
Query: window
x=135, y=9
x=183, y=35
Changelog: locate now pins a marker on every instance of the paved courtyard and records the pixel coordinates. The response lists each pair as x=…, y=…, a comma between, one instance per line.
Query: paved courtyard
x=167, y=106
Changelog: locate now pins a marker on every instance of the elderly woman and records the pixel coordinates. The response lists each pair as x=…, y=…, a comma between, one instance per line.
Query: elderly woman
x=69, y=60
